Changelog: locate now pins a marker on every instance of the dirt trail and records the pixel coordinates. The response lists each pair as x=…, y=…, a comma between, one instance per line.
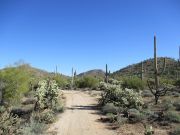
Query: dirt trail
x=80, y=116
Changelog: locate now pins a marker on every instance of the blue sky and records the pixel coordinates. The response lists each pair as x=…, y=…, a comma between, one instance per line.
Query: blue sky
x=87, y=34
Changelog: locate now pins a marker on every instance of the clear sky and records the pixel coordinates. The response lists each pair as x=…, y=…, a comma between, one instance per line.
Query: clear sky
x=87, y=34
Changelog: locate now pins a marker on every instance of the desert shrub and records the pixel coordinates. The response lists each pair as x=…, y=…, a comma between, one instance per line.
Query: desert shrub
x=177, y=83
x=167, y=104
x=149, y=114
x=110, y=108
x=29, y=101
x=8, y=124
x=46, y=94
x=32, y=128
x=87, y=82
x=177, y=105
x=126, y=98
x=176, y=94
x=176, y=131
x=133, y=83
x=114, y=82
x=16, y=82
x=146, y=93
x=121, y=120
x=135, y=116
x=61, y=81
x=47, y=116
x=111, y=117
x=59, y=107
x=172, y=116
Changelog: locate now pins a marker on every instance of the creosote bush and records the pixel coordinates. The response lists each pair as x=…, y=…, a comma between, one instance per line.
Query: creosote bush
x=133, y=83
x=110, y=108
x=172, y=116
x=32, y=128
x=87, y=82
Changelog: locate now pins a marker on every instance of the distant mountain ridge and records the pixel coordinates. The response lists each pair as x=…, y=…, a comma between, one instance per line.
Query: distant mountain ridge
x=94, y=73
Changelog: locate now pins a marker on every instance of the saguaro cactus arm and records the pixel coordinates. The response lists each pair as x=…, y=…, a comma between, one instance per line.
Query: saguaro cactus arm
x=164, y=67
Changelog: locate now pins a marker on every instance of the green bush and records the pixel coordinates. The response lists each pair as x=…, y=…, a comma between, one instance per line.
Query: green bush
x=59, y=107
x=177, y=105
x=135, y=116
x=172, y=116
x=177, y=83
x=133, y=83
x=111, y=117
x=16, y=82
x=32, y=128
x=61, y=81
x=110, y=108
x=167, y=104
x=47, y=116
x=87, y=82
x=121, y=120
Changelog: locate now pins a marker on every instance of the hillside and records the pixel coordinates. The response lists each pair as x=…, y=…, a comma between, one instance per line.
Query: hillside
x=94, y=73
x=172, y=70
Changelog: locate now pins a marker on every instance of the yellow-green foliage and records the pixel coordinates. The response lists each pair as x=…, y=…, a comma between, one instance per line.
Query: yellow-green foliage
x=16, y=81
x=87, y=82
x=60, y=80
x=133, y=83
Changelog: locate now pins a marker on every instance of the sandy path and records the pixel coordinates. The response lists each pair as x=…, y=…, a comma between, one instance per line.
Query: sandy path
x=80, y=117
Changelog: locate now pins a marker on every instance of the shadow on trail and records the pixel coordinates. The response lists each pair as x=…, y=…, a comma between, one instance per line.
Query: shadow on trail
x=83, y=107
x=96, y=111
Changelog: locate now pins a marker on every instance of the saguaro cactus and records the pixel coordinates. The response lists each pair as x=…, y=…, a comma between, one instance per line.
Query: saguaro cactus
x=72, y=79
x=177, y=66
x=106, y=74
x=75, y=74
x=142, y=71
x=155, y=87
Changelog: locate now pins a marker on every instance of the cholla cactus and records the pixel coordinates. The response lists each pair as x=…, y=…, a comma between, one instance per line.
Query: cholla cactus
x=9, y=125
x=148, y=130
x=126, y=98
x=47, y=94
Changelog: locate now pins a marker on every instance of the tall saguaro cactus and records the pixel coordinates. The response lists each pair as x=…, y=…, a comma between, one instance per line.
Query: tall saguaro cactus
x=155, y=87
x=72, y=81
x=177, y=66
x=142, y=71
x=106, y=74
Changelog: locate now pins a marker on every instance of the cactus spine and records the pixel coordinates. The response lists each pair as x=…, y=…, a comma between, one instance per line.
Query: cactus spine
x=106, y=74
x=156, y=90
